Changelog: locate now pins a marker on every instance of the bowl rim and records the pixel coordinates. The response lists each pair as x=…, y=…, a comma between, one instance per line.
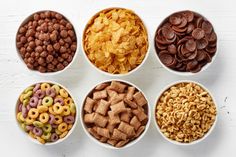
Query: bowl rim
x=204, y=68
x=106, y=145
x=65, y=15
x=206, y=134
x=69, y=132
x=107, y=73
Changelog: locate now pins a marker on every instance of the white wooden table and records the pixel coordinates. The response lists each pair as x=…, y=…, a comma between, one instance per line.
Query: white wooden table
x=220, y=78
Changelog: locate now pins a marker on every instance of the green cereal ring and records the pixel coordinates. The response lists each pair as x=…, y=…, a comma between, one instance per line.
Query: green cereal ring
x=26, y=102
x=58, y=132
x=46, y=135
x=38, y=124
x=47, y=128
x=28, y=89
x=47, y=101
x=72, y=108
x=56, y=87
x=21, y=97
x=28, y=94
x=23, y=126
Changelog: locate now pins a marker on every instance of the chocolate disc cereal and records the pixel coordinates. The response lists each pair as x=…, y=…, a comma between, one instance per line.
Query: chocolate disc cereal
x=115, y=113
x=185, y=41
x=46, y=41
x=115, y=40
x=185, y=112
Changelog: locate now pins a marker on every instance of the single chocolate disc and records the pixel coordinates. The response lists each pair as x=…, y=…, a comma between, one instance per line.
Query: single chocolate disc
x=198, y=33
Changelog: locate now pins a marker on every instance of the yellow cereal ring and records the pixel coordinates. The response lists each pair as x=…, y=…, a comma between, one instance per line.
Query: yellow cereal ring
x=68, y=101
x=56, y=87
x=26, y=101
x=44, y=117
x=72, y=108
x=28, y=89
x=46, y=135
x=47, y=101
x=23, y=125
x=62, y=127
x=58, y=119
x=50, y=109
x=22, y=118
x=29, y=120
x=45, y=86
x=21, y=97
x=70, y=126
x=63, y=93
x=63, y=134
x=66, y=110
x=31, y=134
x=42, y=109
x=18, y=116
x=58, y=132
x=33, y=113
x=57, y=108
x=40, y=140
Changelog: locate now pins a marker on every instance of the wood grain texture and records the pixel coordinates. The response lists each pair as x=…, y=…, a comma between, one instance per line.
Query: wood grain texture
x=151, y=78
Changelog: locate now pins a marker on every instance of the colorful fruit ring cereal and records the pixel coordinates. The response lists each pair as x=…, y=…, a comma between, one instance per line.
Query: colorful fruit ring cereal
x=46, y=112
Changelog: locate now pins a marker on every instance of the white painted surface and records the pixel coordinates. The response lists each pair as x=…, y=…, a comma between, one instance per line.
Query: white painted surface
x=219, y=78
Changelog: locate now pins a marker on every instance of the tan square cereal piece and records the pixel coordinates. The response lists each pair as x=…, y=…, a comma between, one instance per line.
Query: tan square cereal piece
x=140, y=114
x=113, y=118
x=139, y=99
x=111, y=93
x=127, y=129
x=125, y=116
x=99, y=120
x=88, y=106
x=93, y=133
x=139, y=131
x=100, y=95
x=118, y=108
x=130, y=103
x=101, y=86
x=117, y=86
x=135, y=122
x=103, y=132
x=89, y=118
x=103, y=106
x=130, y=93
x=117, y=98
x=103, y=139
x=112, y=142
x=110, y=127
x=118, y=135
x=121, y=143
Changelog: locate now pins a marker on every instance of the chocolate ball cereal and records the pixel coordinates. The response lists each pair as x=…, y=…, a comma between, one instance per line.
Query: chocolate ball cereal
x=46, y=41
x=185, y=41
x=115, y=113
x=46, y=112
x=185, y=112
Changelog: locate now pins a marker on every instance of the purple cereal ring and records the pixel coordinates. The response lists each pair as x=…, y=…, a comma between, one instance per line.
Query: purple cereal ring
x=28, y=108
x=24, y=111
x=39, y=94
x=54, y=126
x=39, y=102
x=20, y=107
x=37, y=131
x=59, y=100
x=33, y=101
x=37, y=86
x=51, y=92
x=51, y=119
x=29, y=127
x=54, y=137
x=69, y=119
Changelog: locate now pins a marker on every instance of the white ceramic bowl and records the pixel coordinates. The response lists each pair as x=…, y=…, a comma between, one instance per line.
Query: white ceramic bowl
x=179, y=72
x=49, y=73
x=105, y=144
x=49, y=143
x=107, y=73
x=176, y=142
